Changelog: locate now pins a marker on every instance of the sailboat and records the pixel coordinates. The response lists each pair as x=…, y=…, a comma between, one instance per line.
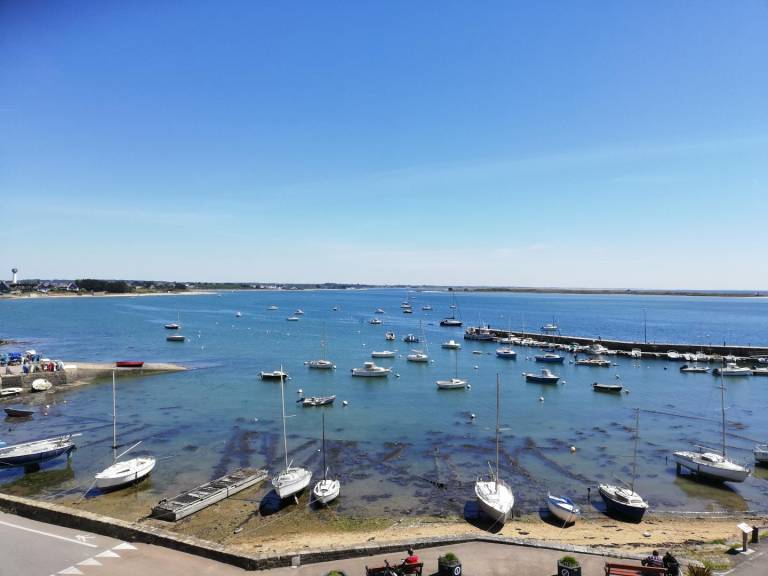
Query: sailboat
x=322, y=364
x=710, y=464
x=174, y=325
x=451, y=321
x=327, y=489
x=420, y=355
x=625, y=501
x=122, y=473
x=455, y=382
x=494, y=495
x=292, y=479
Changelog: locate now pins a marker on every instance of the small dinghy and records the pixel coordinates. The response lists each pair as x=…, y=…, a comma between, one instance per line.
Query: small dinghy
x=390, y=336
x=275, y=375
x=317, y=400
x=37, y=451
x=597, y=362
x=694, y=368
x=13, y=391
x=563, y=508
x=18, y=413
x=609, y=388
x=176, y=338
x=549, y=357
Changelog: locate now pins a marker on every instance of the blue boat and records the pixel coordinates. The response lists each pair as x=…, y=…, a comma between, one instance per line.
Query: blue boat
x=36, y=452
x=552, y=358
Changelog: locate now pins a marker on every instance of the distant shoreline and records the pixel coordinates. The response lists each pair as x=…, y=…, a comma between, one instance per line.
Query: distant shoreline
x=627, y=292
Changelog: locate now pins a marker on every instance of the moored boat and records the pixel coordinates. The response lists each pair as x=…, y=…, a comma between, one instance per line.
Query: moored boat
x=11, y=391
x=317, y=400
x=761, y=454
x=451, y=345
x=563, y=508
x=36, y=451
x=410, y=338
x=389, y=336
x=321, y=364
x=452, y=384
x=370, y=370
x=506, y=352
x=129, y=364
x=549, y=357
x=596, y=362
x=383, y=354
x=327, y=489
x=610, y=388
x=543, y=377
x=417, y=356
x=375, y=321
x=694, y=369
x=292, y=479
x=274, y=375
x=176, y=338
x=18, y=412
x=732, y=369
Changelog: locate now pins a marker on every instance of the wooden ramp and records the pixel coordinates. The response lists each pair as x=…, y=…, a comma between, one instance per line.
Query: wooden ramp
x=181, y=506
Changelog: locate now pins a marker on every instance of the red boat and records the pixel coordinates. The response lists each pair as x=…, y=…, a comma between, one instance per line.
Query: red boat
x=129, y=364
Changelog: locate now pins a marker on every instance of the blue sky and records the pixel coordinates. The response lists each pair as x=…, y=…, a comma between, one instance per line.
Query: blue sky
x=601, y=144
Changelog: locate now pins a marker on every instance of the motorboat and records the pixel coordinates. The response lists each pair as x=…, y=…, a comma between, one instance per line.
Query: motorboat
x=732, y=369
x=293, y=318
x=761, y=454
x=383, y=354
x=327, y=489
x=375, y=321
x=176, y=338
x=321, y=364
x=636, y=353
x=673, y=355
x=759, y=371
x=623, y=502
x=711, y=465
x=379, y=311
x=563, y=508
x=508, y=341
x=505, y=352
x=610, y=388
x=11, y=391
x=298, y=312
x=495, y=496
x=549, y=357
x=390, y=336
x=129, y=364
x=451, y=345
x=417, y=356
x=317, y=400
x=292, y=479
x=550, y=327
x=274, y=375
x=483, y=334
x=693, y=368
x=370, y=370
x=41, y=385
x=426, y=307
x=597, y=362
x=36, y=451
x=543, y=377
x=18, y=412
x=411, y=338
x=596, y=349
x=452, y=384
x=407, y=310
x=273, y=307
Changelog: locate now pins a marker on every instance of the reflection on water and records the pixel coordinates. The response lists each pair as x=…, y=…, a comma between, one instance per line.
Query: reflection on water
x=399, y=446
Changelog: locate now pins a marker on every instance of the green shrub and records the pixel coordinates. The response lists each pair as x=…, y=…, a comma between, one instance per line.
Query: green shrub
x=449, y=558
x=698, y=570
x=569, y=561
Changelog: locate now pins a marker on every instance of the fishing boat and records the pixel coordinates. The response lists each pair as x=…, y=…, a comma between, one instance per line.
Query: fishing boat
x=383, y=354
x=11, y=391
x=390, y=336
x=176, y=338
x=693, y=368
x=18, y=412
x=317, y=400
x=761, y=454
x=370, y=370
x=549, y=357
x=732, y=369
x=410, y=338
x=543, y=377
x=326, y=490
x=610, y=388
x=292, y=479
x=451, y=345
x=621, y=501
x=129, y=364
x=506, y=352
x=274, y=375
x=37, y=451
x=454, y=383
x=375, y=321
x=122, y=473
x=494, y=495
x=563, y=508
x=41, y=385
x=708, y=464
x=596, y=362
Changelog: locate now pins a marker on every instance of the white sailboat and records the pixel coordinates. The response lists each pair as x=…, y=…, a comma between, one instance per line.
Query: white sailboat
x=327, y=489
x=322, y=364
x=494, y=495
x=292, y=479
x=420, y=355
x=710, y=464
x=455, y=382
x=125, y=472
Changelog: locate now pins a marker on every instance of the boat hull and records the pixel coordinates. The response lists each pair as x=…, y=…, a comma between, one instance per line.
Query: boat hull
x=626, y=511
x=562, y=509
x=496, y=506
x=125, y=473
x=11, y=456
x=541, y=379
x=291, y=481
x=692, y=462
x=326, y=491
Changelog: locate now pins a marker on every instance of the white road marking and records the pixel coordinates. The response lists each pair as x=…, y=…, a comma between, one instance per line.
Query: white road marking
x=84, y=537
x=70, y=570
x=89, y=562
x=124, y=546
x=107, y=554
x=48, y=534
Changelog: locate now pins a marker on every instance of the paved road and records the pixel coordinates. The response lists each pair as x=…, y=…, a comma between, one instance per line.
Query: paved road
x=30, y=548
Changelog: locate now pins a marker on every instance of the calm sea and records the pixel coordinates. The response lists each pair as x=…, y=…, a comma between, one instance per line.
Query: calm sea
x=398, y=437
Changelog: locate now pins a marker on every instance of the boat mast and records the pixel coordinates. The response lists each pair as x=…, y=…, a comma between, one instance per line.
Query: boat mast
x=325, y=468
x=497, y=431
x=722, y=408
x=634, y=455
x=114, y=418
x=282, y=405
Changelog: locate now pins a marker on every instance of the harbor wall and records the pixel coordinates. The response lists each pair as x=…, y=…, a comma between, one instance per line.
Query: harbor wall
x=645, y=347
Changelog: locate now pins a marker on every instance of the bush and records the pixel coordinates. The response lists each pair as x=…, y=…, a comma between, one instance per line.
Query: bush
x=698, y=570
x=569, y=561
x=335, y=573
x=449, y=558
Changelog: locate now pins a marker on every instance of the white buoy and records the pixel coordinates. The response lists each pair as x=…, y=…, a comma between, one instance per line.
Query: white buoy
x=255, y=419
x=299, y=391
x=477, y=367
x=565, y=381
x=469, y=386
x=397, y=375
x=573, y=449
x=618, y=377
x=541, y=398
x=344, y=403
x=472, y=416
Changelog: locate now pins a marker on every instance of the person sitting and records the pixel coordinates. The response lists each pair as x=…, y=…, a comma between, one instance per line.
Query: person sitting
x=412, y=558
x=671, y=564
x=653, y=561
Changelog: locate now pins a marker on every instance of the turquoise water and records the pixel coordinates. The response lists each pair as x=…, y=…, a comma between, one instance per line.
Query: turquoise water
x=400, y=435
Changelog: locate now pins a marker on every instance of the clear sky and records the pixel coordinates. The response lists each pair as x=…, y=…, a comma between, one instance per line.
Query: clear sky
x=601, y=144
